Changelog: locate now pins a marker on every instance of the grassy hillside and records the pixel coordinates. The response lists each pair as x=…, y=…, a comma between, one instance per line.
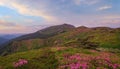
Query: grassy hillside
x=62, y=58
x=47, y=32
x=81, y=48
x=85, y=37
x=34, y=40
x=37, y=59
x=24, y=45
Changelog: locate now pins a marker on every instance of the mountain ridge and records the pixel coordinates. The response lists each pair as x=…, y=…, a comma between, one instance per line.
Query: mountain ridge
x=47, y=32
x=66, y=36
x=2, y=40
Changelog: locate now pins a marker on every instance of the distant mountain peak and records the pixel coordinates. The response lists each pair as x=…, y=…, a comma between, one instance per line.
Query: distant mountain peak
x=83, y=27
x=62, y=26
x=64, y=35
x=48, y=32
x=66, y=24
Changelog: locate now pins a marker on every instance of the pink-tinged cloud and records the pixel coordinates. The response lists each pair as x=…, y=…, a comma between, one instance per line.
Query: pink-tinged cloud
x=6, y=27
x=89, y=13
x=26, y=9
x=87, y=2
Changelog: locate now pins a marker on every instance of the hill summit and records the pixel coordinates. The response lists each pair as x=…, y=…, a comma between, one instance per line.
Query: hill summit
x=65, y=35
x=48, y=32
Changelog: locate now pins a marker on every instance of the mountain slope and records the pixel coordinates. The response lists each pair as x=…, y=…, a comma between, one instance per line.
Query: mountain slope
x=37, y=59
x=35, y=40
x=2, y=40
x=61, y=58
x=47, y=32
x=88, y=37
x=82, y=37
x=10, y=36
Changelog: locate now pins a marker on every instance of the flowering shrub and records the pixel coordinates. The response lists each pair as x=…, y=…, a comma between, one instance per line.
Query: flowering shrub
x=83, y=61
x=20, y=62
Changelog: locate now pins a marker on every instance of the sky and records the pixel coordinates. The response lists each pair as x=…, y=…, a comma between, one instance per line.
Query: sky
x=27, y=16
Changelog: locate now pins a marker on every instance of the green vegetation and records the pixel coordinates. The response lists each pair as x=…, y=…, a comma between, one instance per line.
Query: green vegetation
x=51, y=57
x=84, y=48
x=88, y=38
x=37, y=59
x=81, y=37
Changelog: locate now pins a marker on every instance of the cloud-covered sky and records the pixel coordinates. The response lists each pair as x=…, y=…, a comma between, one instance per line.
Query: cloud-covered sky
x=24, y=16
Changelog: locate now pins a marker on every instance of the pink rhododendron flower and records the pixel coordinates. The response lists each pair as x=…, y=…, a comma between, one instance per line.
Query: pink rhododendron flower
x=20, y=62
x=83, y=61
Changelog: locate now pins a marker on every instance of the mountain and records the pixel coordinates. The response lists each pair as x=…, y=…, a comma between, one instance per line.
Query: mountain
x=71, y=48
x=104, y=37
x=2, y=40
x=66, y=35
x=35, y=40
x=5, y=38
x=10, y=36
x=47, y=32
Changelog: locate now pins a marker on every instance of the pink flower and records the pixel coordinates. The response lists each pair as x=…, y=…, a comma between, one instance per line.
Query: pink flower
x=83, y=61
x=115, y=66
x=20, y=63
x=84, y=66
x=15, y=64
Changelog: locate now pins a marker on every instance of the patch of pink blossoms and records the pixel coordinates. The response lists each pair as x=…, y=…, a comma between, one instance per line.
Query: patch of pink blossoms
x=83, y=61
x=20, y=62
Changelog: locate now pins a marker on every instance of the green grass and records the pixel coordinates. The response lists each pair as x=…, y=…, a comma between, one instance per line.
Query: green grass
x=37, y=59
x=104, y=38
x=44, y=58
x=76, y=38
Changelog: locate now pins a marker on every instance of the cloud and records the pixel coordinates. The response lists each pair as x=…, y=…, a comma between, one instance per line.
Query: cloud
x=10, y=27
x=88, y=2
x=5, y=17
x=77, y=2
x=26, y=9
x=52, y=12
x=94, y=20
x=4, y=23
x=29, y=21
x=104, y=8
x=106, y=20
x=112, y=17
